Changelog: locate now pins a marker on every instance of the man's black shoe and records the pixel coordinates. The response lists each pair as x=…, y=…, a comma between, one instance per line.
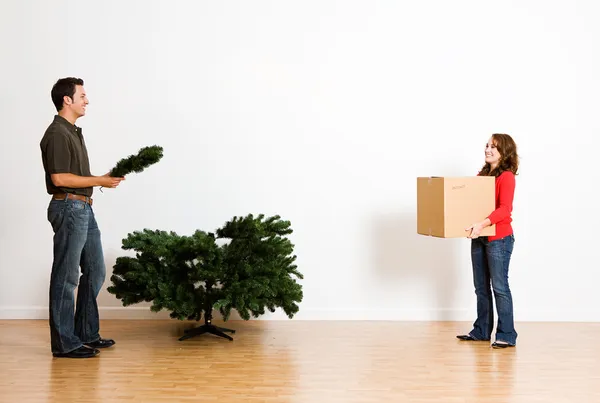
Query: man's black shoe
x=101, y=343
x=81, y=352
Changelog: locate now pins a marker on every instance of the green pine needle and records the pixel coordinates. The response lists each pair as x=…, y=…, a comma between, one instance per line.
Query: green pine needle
x=252, y=272
x=137, y=163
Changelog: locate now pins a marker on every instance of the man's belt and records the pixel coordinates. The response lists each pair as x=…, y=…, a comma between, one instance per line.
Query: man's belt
x=63, y=196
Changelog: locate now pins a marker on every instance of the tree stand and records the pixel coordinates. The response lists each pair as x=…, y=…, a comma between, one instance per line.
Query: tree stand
x=207, y=327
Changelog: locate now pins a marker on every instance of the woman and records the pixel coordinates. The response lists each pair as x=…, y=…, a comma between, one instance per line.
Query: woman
x=490, y=256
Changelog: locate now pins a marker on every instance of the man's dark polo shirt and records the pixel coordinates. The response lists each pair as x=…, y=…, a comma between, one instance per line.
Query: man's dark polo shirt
x=64, y=151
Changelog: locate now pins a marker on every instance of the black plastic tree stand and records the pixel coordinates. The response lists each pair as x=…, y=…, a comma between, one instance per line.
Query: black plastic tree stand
x=207, y=327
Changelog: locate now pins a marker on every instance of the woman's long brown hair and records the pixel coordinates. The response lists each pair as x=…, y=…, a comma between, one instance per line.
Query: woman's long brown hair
x=509, y=159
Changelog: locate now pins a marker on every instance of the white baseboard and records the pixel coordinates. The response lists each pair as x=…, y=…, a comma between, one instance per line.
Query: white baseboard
x=107, y=312
x=454, y=315
x=145, y=313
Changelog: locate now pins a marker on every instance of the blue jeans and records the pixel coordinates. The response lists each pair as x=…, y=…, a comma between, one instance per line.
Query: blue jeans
x=76, y=243
x=490, y=262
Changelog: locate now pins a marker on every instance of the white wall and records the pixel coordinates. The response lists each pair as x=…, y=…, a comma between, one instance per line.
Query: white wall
x=324, y=112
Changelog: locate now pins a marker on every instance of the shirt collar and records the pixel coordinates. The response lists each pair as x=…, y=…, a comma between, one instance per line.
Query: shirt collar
x=73, y=128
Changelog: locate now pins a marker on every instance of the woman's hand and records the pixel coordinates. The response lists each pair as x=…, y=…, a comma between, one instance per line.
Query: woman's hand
x=475, y=229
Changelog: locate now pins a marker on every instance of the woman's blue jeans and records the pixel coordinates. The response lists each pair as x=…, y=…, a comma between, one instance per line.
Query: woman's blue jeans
x=490, y=262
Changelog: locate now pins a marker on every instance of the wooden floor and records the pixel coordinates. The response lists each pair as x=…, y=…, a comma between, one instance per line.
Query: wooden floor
x=299, y=361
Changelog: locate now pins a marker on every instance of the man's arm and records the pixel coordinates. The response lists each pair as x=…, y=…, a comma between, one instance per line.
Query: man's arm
x=58, y=155
x=69, y=180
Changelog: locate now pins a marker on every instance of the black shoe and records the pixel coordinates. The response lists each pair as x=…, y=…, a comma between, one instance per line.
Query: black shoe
x=501, y=345
x=468, y=337
x=101, y=343
x=81, y=352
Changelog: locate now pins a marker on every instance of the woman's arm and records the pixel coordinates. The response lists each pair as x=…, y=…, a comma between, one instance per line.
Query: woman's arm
x=506, y=192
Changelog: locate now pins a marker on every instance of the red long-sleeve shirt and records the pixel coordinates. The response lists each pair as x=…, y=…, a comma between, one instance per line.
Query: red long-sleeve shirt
x=505, y=191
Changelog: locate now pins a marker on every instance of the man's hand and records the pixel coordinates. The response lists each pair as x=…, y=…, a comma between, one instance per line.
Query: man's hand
x=110, y=182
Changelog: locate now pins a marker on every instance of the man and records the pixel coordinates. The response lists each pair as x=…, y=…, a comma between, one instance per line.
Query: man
x=76, y=234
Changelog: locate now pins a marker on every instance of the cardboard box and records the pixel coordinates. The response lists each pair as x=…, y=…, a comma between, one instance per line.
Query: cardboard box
x=448, y=205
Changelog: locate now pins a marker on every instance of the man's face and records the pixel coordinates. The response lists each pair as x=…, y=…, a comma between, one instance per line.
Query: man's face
x=79, y=102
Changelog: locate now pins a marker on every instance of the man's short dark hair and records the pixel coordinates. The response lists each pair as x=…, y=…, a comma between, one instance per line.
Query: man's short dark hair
x=64, y=87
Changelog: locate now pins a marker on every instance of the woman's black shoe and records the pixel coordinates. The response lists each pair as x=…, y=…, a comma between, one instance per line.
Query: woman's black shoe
x=468, y=337
x=501, y=345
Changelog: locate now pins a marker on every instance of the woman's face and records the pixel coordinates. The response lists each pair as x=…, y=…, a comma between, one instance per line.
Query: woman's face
x=492, y=155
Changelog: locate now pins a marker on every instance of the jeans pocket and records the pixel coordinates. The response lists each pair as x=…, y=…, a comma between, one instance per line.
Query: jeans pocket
x=77, y=215
x=77, y=205
x=507, y=245
x=55, y=212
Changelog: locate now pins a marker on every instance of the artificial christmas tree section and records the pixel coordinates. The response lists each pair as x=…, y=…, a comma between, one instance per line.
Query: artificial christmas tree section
x=145, y=157
x=252, y=270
